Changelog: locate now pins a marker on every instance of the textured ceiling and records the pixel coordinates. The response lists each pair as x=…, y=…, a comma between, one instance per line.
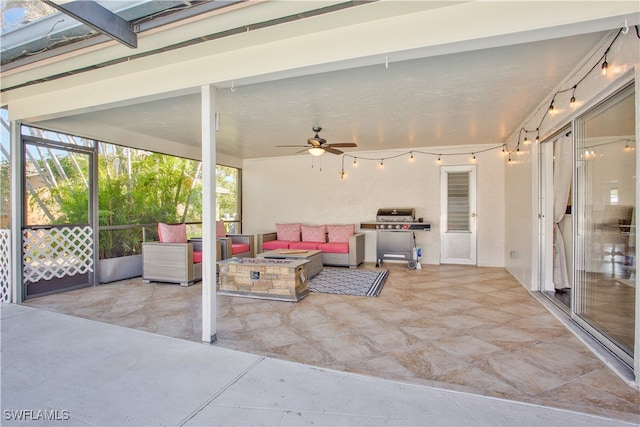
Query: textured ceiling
x=472, y=97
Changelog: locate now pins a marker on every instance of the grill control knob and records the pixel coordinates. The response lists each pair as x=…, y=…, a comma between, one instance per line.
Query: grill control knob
x=398, y=227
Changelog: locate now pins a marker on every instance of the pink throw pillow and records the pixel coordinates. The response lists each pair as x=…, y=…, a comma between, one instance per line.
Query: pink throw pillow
x=220, y=230
x=314, y=233
x=288, y=232
x=340, y=233
x=170, y=233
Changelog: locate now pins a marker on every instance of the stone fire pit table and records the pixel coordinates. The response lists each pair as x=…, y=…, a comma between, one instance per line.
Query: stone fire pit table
x=276, y=279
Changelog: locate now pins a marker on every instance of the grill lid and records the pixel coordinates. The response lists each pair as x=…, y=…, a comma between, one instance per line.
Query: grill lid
x=396, y=214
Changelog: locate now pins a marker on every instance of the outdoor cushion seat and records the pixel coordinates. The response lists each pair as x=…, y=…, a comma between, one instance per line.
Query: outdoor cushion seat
x=309, y=246
x=238, y=248
x=335, y=248
x=276, y=244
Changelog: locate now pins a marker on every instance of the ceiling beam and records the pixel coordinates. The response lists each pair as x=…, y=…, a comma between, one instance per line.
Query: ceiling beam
x=100, y=19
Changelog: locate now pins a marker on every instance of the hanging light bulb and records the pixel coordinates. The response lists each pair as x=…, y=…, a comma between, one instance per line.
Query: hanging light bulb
x=342, y=173
x=551, y=108
x=355, y=162
x=538, y=135
x=411, y=157
x=439, y=159
x=473, y=157
x=605, y=65
x=381, y=163
x=572, y=102
x=526, y=140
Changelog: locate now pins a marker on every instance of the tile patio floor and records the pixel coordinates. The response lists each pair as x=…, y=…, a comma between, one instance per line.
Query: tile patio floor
x=473, y=329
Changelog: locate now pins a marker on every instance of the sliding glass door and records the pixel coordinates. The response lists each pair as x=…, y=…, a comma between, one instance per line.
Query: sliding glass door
x=605, y=218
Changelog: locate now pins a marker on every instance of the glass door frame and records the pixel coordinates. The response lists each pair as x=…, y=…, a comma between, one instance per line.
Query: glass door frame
x=92, y=153
x=591, y=329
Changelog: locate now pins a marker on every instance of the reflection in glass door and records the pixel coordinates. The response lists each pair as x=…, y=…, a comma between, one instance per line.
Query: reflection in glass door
x=605, y=271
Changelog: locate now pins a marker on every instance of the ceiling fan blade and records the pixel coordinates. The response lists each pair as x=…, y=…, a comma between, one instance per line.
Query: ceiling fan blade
x=316, y=140
x=298, y=146
x=344, y=144
x=332, y=150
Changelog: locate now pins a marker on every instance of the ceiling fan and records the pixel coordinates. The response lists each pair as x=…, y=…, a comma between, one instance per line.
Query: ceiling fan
x=317, y=146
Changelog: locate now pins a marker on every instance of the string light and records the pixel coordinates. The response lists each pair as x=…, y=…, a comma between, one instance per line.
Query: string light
x=572, y=102
x=411, y=157
x=504, y=147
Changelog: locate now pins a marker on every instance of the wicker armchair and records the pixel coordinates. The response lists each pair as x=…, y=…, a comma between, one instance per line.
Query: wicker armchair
x=173, y=259
x=234, y=245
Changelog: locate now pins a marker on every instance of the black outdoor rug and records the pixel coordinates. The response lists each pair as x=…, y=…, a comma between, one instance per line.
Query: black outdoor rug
x=348, y=281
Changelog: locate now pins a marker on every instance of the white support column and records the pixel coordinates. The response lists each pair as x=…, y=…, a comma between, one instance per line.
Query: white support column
x=208, y=99
x=17, y=211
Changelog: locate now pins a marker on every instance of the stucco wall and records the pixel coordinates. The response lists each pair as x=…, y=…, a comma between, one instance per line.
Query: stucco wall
x=309, y=190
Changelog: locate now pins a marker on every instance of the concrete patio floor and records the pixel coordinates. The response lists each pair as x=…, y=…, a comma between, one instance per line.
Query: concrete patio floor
x=461, y=328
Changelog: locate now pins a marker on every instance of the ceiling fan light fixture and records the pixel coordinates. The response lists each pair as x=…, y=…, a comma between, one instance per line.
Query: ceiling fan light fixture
x=316, y=151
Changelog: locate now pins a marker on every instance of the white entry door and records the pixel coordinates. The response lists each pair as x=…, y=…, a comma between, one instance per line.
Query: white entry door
x=458, y=214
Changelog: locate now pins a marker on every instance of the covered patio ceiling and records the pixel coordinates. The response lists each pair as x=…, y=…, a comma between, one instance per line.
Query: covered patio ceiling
x=474, y=90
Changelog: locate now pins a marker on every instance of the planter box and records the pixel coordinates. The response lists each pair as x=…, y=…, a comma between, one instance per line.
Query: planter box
x=113, y=269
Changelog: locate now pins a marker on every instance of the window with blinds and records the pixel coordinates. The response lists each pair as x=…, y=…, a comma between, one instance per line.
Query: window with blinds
x=458, y=201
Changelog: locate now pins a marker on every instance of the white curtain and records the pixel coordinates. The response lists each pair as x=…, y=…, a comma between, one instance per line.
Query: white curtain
x=562, y=175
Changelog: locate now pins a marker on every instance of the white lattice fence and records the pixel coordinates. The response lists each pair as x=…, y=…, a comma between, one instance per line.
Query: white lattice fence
x=57, y=253
x=5, y=266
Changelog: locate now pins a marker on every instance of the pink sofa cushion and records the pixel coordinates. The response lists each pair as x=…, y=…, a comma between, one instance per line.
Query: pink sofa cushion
x=334, y=248
x=275, y=244
x=314, y=233
x=288, y=232
x=310, y=246
x=197, y=257
x=340, y=233
x=172, y=233
x=220, y=230
x=238, y=248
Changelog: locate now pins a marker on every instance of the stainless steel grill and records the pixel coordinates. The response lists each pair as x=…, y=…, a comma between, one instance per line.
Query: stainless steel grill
x=395, y=238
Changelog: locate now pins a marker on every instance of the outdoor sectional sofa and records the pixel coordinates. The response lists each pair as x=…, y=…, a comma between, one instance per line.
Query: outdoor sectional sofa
x=340, y=244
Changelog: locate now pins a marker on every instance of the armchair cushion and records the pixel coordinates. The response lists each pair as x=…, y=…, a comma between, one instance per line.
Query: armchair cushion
x=288, y=232
x=172, y=233
x=238, y=248
x=340, y=233
x=220, y=230
x=314, y=233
